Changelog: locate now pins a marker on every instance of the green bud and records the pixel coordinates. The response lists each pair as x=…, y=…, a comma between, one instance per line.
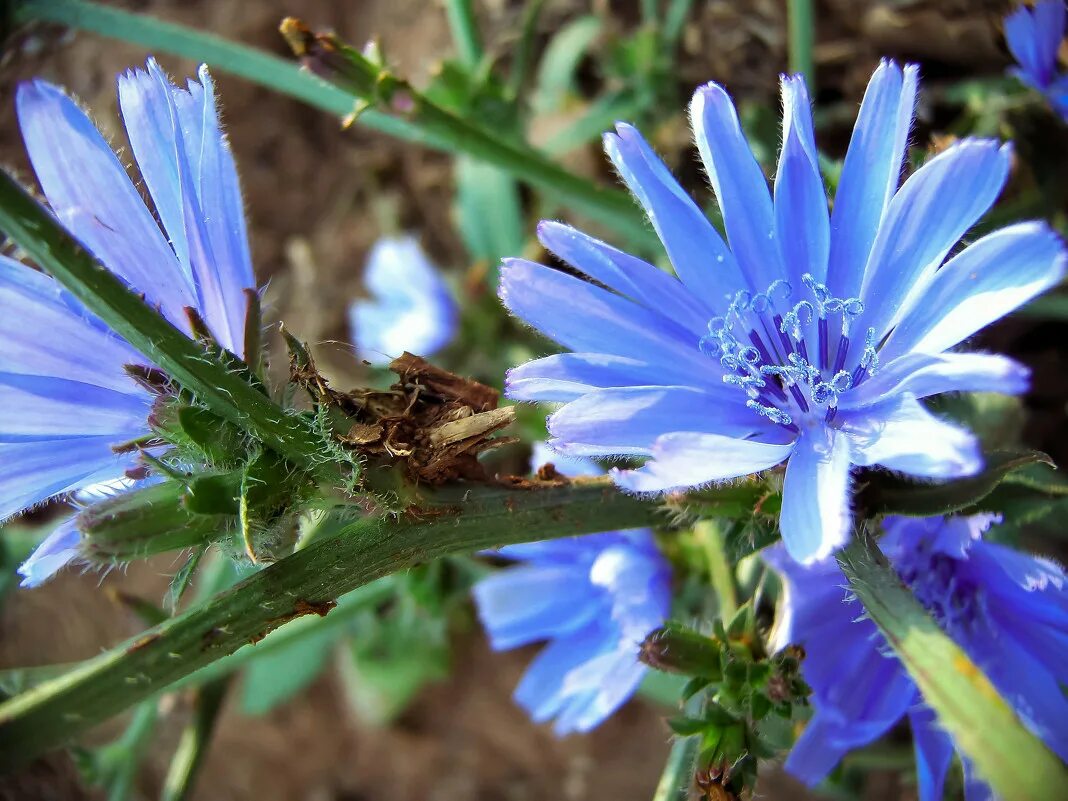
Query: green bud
x=677, y=649
x=146, y=521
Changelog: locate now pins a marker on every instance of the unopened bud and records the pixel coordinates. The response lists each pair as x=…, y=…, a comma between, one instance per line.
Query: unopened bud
x=676, y=649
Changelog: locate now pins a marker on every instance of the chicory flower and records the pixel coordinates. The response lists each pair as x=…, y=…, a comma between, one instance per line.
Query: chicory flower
x=1034, y=38
x=69, y=403
x=809, y=337
x=411, y=308
x=1007, y=610
x=594, y=598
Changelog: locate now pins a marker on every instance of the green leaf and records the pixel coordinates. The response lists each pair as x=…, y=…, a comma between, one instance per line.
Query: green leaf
x=182, y=579
x=276, y=677
x=889, y=494
x=556, y=70
x=489, y=214
x=1016, y=764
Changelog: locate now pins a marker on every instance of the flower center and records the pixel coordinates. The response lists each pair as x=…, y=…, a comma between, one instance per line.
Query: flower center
x=956, y=602
x=789, y=356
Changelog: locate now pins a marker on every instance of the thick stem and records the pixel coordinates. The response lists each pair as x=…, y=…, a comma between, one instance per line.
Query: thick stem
x=306, y=582
x=1016, y=764
x=226, y=393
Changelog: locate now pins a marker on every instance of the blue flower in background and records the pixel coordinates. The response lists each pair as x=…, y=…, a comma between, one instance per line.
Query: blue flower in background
x=411, y=308
x=594, y=598
x=810, y=339
x=1034, y=37
x=67, y=399
x=1007, y=610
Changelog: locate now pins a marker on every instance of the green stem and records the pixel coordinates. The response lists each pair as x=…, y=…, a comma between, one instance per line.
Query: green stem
x=1016, y=764
x=194, y=742
x=125, y=755
x=464, y=29
x=710, y=535
x=277, y=74
x=229, y=395
x=461, y=520
x=677, y=775
x=802, y=36
x=523, y=53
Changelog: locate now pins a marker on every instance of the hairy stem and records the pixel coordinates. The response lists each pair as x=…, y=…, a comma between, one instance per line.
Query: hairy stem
x=984, y=728
x=306, y=582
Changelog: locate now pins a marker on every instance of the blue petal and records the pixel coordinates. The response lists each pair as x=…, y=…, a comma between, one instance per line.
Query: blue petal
x=411, y=308
x=687, y=459
x=926, y=218
x=583, y=317
x=54, y=553
x=569, y=550
x=32, y=472
x=902, y=435
x=698, y=254
x=870, y=174
x=628, y=421
x=43, y=407
x=975, y=789
x=739, y=184
x=820, y=747
x=921, y=375
x=598, y=688
x=564, y=377
x=815, y=519
x=627, y=275
x=541, y=691
x=1034, y=38
x=801, y=216
x=91, y=194
x=528, y=603
x=934, y=752
x=53, y=334
x=989, y=279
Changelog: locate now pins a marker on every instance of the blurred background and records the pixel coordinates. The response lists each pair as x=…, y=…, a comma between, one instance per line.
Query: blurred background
x=320, y=723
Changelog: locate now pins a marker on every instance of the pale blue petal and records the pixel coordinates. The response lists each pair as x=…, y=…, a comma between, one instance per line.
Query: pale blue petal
x=54, y=553
x=626, y=274
x=32, y=472
x=569, y=550
x=871, y=174
x=411, y=308
x=628, y=421
x=926, y=218
x=739, y=184
x=819, y=748
x=43, y=407
x=541, y=690
x=815, y=519
x=697, y=252
x=52, y=334
x=902, y=435
x=688, y=459
x=583, y=317
x=528, y=603
x=934, y=752
x=801, y=215
x=989, y=279
x=599, y=686
x=564, y=377
x=93, y=197
x=921, y=375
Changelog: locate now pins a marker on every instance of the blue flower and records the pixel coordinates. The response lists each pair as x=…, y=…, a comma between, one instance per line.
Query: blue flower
x=1034, y=37
x=411, y=308
x=1007, y=610
x=594, y=598
x=810, y=339
x=68, y=401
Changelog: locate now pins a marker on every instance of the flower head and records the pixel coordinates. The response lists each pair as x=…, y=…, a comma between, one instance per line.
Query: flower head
x=411, y=308
x=811, y=338
x=1007, y=610
x=1034, y=37
x=594, y=598
x=69, y=404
